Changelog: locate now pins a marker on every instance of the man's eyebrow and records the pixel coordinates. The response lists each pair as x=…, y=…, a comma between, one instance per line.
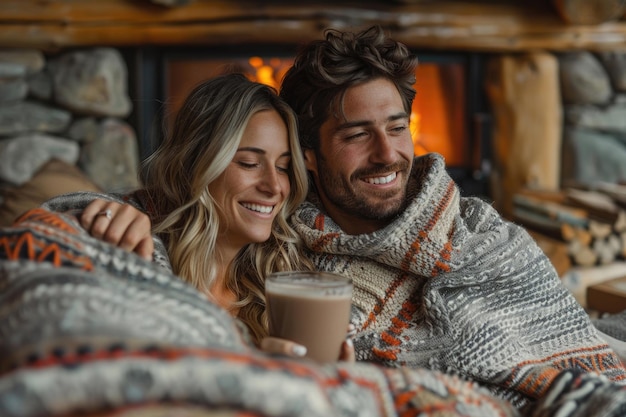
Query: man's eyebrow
x=260, y=151
x=358, y=123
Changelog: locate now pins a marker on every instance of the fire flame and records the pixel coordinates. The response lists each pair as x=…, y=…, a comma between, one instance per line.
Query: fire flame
x=437, y=120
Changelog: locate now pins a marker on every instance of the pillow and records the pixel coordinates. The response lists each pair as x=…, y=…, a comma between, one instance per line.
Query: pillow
x=54, y=178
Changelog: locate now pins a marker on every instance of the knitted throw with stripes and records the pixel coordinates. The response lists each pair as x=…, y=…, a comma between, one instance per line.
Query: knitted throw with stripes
x=450, y=285
x=88, y=329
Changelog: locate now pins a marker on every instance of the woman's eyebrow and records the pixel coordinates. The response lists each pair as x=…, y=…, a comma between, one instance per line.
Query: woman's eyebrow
x=252, y=149
x=260, y=151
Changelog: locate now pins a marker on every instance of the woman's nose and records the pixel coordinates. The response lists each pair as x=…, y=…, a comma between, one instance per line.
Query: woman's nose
x=270, y=182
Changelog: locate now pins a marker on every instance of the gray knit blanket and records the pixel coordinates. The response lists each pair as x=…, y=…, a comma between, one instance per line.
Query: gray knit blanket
x=87, y=329
x=450, y=286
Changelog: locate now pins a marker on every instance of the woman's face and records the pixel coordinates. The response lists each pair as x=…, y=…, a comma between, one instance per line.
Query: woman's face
x=254, y=186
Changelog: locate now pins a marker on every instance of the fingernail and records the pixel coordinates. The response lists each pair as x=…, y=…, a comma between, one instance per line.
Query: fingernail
x=350, y=343
x=298, y=350
x=351, y=330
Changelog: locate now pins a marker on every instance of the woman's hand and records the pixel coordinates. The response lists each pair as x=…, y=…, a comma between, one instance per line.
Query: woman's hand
x=347, y=347
x=119, y=224
x=277, y=346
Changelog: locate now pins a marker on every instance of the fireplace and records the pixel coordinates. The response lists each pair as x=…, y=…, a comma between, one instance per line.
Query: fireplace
x=450, y=113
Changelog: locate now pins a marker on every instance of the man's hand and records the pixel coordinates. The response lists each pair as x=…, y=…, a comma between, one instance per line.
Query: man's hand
x=119, y=224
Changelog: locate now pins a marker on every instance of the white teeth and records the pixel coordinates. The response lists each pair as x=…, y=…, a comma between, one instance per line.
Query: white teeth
x=382, y=180
x=258, y=207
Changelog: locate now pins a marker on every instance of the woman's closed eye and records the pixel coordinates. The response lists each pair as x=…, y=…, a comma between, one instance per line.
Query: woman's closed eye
x=283, y=164
x=248, y=164
x=251, y=165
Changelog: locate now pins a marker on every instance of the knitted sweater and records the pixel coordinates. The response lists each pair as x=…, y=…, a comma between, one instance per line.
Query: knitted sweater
x=449, y=285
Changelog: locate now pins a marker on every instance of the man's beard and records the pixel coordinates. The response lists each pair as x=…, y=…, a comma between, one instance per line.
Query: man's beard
x=380, y=206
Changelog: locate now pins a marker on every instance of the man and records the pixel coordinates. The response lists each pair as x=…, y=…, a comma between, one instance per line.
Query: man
x=440, y=281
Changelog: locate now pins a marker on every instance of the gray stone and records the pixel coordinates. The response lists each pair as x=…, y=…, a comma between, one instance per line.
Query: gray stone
x=112, y=159
x=40, y=85
x=608, y=119
x=619, y=99
x=92, y=82
x=32, y=59
x=615, y=64
x=13, y=89
x=86, y=129
x=27, y=116
x=583, y=79
x=12, y=70
x=21, y=157
x=590, y=157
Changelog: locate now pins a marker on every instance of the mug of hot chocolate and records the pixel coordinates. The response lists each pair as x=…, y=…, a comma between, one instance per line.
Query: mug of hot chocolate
x=310, y=308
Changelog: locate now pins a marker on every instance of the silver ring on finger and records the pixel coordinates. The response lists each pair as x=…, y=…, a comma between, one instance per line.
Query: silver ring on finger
x=108, y=213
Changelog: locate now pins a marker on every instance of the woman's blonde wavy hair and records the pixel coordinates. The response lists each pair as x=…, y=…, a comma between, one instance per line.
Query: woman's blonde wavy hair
x=206, y=134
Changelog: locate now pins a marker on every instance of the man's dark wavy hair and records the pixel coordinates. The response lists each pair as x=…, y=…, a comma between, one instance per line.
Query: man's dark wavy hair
x=324, y=69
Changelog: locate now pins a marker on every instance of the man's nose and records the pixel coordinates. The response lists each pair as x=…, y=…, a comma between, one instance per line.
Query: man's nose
x=384, y=150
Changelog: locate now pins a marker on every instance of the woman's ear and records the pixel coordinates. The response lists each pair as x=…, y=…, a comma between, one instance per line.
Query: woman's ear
x=310, y=160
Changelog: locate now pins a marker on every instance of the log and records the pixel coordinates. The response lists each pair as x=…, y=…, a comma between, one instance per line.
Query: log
x=489, y=26
x=555, y=196
x=600, y=230
x=620, y=223
x=616, y=191
x=600, y=206
x=532, y=220
x=525, y=97
x=555, y=211
x=582, y=255
x=571, y=233
x=555, y=250
x=589, y=12
x=606, y=248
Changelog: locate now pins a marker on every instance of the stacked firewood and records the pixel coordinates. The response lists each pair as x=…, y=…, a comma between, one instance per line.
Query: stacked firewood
x=589, y=222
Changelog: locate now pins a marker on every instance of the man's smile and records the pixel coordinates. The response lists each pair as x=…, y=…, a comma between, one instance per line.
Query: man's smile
x=382, y=179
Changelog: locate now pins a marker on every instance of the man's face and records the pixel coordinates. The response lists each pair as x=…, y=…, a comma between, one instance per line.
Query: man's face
x=364, y=160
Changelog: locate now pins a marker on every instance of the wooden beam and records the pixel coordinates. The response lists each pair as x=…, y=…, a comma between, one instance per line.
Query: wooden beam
x=479, y=26
x=527, y=131
x=589, y=12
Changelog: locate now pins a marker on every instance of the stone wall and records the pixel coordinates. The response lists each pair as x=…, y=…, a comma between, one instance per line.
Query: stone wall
x=70, y=107
x=594, y=99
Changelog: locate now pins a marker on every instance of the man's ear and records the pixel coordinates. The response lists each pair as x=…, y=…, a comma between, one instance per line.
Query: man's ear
x=310, y=160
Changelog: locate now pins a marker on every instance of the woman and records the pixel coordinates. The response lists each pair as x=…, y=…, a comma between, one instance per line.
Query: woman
x=218, y=193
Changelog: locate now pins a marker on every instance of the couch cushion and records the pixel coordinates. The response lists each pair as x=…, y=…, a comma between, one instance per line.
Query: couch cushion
x=54, y=178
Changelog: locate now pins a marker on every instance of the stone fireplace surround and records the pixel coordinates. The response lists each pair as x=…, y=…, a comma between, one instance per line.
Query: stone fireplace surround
x=60, y=112
x=96, y=127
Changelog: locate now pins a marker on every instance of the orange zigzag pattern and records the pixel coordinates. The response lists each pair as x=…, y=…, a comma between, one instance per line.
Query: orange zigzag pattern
x=22, y=244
